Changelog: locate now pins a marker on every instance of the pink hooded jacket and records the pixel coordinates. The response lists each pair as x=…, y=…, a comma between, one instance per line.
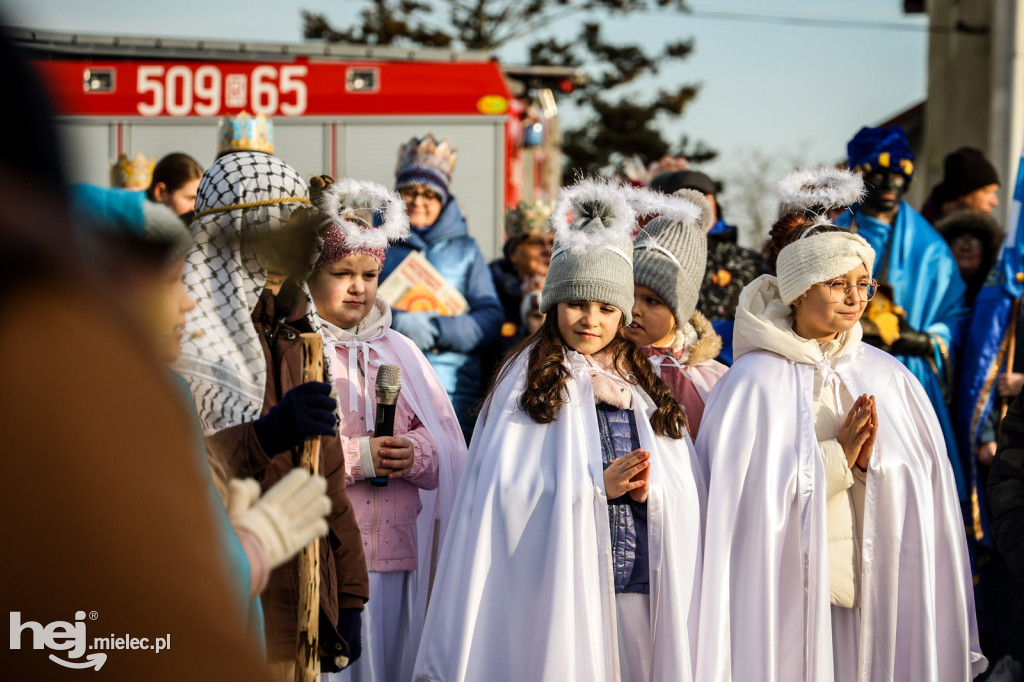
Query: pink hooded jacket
x=386, y=516
x=689, y=367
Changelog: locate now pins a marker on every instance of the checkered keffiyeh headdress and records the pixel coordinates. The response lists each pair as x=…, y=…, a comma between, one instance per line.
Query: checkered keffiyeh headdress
x=242, y=196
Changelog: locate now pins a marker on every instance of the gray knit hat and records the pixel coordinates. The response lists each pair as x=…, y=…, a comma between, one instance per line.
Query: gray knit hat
x=672, y=254
x=593, y=254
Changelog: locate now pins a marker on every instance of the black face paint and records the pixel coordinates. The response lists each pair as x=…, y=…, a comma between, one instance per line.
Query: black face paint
x=885, y=189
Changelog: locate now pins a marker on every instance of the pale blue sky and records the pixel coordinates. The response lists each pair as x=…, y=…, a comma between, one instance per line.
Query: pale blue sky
x=780, y=90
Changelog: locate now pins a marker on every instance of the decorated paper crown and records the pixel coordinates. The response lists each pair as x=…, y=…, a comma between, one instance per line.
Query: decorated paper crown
x=363, y=217
x=134, y=174
x=820, y=189
x=528, y=218
x=245, y=133
x=426, y=161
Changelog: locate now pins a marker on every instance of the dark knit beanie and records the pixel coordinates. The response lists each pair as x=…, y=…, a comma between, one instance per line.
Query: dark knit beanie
x=673, y=181
x=964, y=171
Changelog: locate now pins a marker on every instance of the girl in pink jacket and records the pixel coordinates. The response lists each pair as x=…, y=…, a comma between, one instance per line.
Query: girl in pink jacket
x=670, y=256
x=402, y=512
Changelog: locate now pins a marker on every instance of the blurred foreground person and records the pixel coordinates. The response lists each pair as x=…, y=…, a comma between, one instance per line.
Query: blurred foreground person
x=1006, y=501
x=141, y=247
x=106, y=506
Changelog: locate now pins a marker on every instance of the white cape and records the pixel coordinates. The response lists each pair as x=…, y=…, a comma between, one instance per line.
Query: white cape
x=429, y=400
x=765, y=612
x=525, y=590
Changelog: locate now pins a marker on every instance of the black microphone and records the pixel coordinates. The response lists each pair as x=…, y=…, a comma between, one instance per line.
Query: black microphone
x=388, y=386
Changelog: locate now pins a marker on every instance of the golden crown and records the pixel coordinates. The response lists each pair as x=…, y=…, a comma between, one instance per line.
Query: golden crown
x=428, y=152
x=245, y=133
x=128, y=173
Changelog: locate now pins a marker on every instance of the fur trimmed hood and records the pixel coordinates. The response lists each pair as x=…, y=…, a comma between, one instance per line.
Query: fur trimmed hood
x=972, y=222
x=696, y=341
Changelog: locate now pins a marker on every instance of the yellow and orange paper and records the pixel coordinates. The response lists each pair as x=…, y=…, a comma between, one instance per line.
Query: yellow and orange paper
x=416, y=286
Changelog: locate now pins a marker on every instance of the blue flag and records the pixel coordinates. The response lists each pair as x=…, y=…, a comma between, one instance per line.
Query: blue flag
x=986, y=354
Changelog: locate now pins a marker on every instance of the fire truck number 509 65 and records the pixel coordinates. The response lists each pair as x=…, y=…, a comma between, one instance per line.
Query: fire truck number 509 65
x=204, y=91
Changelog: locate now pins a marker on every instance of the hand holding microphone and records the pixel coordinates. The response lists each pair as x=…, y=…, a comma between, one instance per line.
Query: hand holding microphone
x=388, y=452
x=392, y=457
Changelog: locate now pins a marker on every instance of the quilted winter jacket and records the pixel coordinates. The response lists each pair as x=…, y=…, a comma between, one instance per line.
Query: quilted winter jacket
x=626, y=518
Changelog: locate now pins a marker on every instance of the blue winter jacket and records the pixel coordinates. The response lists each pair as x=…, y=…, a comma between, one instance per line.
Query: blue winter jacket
x=627, y=519
x=457, y=355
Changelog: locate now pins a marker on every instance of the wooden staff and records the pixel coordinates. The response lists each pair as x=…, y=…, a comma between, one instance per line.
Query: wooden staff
x=307, y=660
x=1014, y=316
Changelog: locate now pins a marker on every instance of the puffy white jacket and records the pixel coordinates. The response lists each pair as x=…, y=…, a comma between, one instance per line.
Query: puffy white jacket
x=767, y=324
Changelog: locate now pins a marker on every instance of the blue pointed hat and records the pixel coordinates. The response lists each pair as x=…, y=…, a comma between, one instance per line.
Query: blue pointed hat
x=873, y=148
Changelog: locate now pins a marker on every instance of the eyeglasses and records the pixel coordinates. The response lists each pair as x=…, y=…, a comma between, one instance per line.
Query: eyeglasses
x=410, y=194
x=839, y=289
x=966, y=240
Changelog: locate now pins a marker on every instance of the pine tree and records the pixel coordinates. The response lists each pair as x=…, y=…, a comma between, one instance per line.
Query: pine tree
x=616, y=126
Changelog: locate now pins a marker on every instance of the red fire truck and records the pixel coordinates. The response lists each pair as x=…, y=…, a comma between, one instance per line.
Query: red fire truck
x=341, y=110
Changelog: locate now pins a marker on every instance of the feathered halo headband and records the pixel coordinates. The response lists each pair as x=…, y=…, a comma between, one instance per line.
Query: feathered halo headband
x=688, y=209
x=822, y=188
x=353, y=207
x=676, y=207
x=582, y=205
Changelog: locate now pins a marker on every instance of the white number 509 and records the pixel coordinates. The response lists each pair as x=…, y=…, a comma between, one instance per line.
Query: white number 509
x=178, y=91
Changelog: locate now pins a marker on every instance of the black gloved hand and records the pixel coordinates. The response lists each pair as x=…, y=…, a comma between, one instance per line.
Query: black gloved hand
x=350, y=627
x=876, y=341
x=306, y=410
x=911, y=341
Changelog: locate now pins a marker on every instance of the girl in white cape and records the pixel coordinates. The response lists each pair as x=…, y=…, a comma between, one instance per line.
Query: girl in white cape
x=835, y=547
x=402, y=519
x=575, y=543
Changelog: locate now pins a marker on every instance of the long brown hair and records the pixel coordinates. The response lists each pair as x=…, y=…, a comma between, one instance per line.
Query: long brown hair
x=547, y=375
x=174, y=170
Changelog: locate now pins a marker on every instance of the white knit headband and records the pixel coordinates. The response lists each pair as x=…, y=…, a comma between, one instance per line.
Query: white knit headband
x=819, y=257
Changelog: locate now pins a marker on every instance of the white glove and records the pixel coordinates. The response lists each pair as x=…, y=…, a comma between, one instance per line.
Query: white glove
x=287, y=518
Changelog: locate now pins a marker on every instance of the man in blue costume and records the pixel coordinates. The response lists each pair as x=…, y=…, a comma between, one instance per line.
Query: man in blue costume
x=924, y=287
